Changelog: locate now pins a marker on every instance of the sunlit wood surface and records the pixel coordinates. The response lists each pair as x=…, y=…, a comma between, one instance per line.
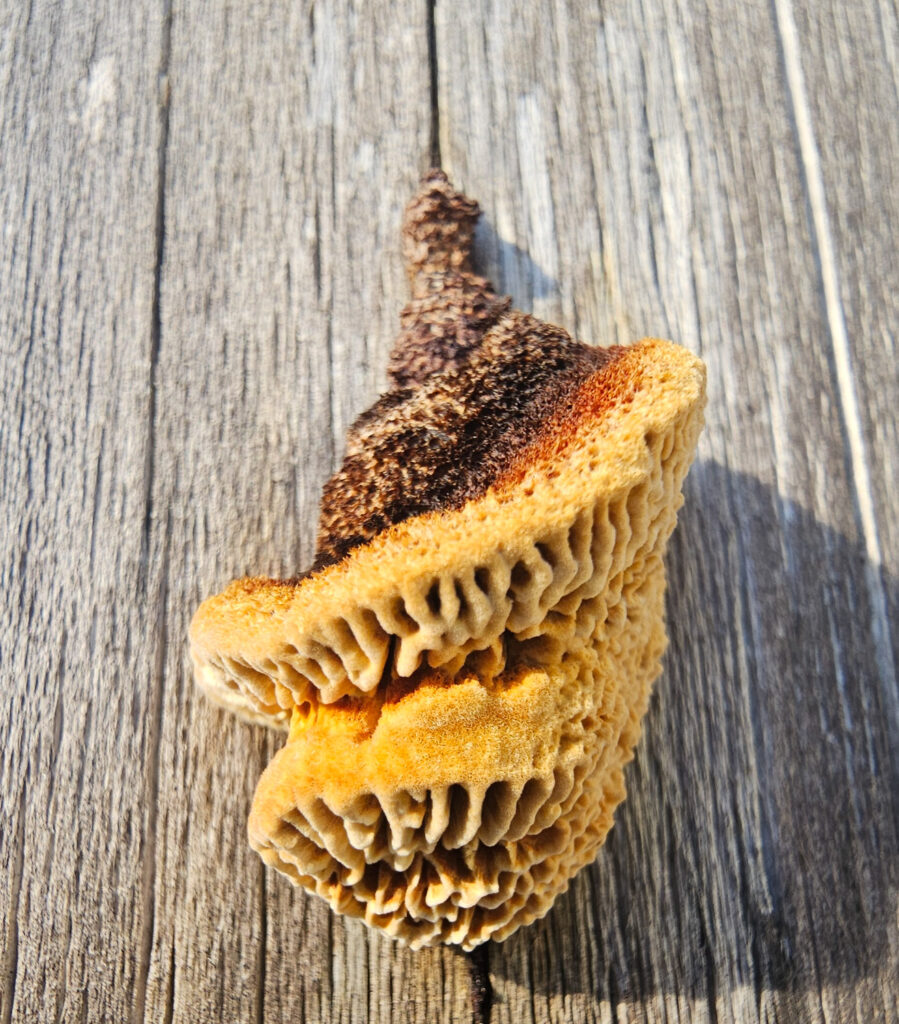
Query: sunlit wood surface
x=200, y=278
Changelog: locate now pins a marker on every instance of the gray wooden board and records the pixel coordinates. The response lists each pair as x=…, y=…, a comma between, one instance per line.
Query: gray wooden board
x=295, y=138
x=79, y=116
x=199, y=285
x=851, y=146
x=752, y=873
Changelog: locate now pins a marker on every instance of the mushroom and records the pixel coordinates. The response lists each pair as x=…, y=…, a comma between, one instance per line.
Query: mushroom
x=463, y=669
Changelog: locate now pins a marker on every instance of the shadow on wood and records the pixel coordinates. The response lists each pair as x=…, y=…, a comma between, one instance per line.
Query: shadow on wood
x=758, y=845
x=509, y=267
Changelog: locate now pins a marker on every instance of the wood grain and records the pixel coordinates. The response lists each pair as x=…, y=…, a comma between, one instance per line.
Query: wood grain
x=81, y=129
x=199, y=285
x=752, y=873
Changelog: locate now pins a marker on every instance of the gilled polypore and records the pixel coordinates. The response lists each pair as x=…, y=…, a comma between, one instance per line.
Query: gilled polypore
x=464, y=668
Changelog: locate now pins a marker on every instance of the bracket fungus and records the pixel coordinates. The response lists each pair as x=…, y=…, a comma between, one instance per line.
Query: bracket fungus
x=463, y=670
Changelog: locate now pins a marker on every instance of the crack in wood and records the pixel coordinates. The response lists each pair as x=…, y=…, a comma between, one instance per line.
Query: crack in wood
x=481, y=986
x=155, y=733
x=434, y=154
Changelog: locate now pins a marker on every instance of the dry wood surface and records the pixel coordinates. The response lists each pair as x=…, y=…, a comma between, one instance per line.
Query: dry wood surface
x=200, y=278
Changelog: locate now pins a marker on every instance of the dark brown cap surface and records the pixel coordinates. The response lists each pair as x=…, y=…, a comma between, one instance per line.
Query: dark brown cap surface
x=471, y=386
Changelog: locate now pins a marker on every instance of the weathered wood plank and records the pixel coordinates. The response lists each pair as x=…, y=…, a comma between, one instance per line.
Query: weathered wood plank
x=199, y=287
x=840, y=65
x=845, y=90
x=296, y=136
x=846, y=77
x=80, y=122
x=648, y=165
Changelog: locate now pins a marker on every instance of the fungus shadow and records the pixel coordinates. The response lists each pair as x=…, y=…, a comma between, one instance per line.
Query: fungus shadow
x=509, y=267
x=758, y=844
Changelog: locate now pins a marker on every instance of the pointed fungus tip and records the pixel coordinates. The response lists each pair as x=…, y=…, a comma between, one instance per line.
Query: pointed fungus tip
x=438, y=229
